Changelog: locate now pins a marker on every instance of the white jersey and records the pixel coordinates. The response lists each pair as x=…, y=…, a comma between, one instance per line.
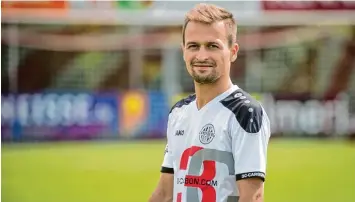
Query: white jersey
x=209, y=149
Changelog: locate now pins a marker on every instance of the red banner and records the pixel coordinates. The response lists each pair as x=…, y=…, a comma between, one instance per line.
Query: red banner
x=307, y=5
x=34, y=4
x=28, y=9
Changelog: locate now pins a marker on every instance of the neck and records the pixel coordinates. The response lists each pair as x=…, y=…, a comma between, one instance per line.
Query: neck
x=207, y=92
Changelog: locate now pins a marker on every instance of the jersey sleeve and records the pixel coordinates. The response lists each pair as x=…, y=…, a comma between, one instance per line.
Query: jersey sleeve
x=167, y=165
x=250, y=137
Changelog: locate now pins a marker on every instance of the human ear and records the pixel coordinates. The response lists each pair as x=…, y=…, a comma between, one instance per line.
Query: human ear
x=183, y=50
x=234, y=52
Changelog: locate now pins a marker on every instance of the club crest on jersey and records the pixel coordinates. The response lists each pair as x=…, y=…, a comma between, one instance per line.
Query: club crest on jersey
x=207, y=134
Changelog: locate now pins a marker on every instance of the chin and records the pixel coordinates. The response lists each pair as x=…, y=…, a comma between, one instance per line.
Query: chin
x=205, y=80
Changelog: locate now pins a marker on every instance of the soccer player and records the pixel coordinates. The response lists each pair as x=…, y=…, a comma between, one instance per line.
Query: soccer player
x=216, y=138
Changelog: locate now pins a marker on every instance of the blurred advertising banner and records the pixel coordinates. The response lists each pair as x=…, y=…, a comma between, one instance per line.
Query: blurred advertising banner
x=143, y=114
x=302, y=115
x=171, y=13
x=41, y=9
x=307, y=5
x=308, y=12
x=56, y=116
x=113, y=12
x=60, y=5
x=66, y=116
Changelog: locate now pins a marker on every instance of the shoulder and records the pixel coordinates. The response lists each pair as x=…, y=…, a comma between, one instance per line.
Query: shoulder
x=246, y=110
x=183, y=102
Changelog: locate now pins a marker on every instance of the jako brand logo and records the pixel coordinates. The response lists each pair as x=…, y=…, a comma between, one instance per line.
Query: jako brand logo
x=179, y=133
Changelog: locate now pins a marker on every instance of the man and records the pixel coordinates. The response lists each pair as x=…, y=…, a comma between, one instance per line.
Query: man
x=218, y=137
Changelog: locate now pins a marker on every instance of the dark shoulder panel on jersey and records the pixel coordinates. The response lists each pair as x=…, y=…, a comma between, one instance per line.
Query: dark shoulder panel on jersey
x=183, y=102
x=246, y=109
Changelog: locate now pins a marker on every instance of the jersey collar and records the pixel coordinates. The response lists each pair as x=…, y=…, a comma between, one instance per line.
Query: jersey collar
x=217, y=98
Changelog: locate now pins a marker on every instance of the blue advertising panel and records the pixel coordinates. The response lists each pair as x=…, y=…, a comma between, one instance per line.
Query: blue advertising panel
x=143, y=114
x=58, y=116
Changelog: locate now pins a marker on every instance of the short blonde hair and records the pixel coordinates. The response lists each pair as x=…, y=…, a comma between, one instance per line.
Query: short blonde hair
x=208, y=14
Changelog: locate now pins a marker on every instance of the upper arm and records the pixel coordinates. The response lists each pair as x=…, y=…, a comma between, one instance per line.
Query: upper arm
x=250, y=137
x=167, y=165
x=250, y=143
x=164, y=190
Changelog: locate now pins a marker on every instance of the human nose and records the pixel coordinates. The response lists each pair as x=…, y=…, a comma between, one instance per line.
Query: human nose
x=202, y=54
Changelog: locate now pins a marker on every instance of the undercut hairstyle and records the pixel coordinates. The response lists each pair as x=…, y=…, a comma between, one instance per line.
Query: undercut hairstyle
x=209, y=14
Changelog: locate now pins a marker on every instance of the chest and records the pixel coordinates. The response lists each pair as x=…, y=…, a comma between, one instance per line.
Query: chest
x=209, y=130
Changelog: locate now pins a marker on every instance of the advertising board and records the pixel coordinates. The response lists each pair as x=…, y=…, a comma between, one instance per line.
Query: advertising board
x=58, y=115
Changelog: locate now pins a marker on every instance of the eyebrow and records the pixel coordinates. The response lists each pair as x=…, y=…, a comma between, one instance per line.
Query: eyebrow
x=208, y=42
x=192, y=43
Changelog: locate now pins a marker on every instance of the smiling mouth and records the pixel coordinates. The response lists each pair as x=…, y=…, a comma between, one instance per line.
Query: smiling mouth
x=202, y=66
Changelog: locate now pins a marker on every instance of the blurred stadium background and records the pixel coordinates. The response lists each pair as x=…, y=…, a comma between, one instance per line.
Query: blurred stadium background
x=87, y=87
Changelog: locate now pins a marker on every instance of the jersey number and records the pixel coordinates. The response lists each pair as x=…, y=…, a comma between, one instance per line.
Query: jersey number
x=193, y=182
x=205, y=182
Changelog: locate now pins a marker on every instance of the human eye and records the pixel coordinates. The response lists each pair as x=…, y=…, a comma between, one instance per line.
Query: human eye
x=213, y=46
x=192, y=46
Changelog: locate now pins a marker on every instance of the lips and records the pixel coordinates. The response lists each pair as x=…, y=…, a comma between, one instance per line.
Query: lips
x=202, y=68
x=202, y=65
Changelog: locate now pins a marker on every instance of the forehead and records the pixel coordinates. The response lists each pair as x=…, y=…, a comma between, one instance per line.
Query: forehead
x=200, y=32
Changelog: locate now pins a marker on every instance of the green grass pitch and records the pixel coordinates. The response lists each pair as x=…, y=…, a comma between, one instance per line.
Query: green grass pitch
x=298, y=171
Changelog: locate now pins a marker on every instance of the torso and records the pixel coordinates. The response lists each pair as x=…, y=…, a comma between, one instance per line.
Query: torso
x=201, y=146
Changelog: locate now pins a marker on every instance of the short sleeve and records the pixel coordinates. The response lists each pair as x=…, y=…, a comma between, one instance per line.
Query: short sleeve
x=250, y=137
x=167, y=165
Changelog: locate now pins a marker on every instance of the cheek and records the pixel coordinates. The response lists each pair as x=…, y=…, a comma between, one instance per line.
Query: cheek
x=223, y=59
x=222, y=62
x=187, y=58
x=227, y=58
